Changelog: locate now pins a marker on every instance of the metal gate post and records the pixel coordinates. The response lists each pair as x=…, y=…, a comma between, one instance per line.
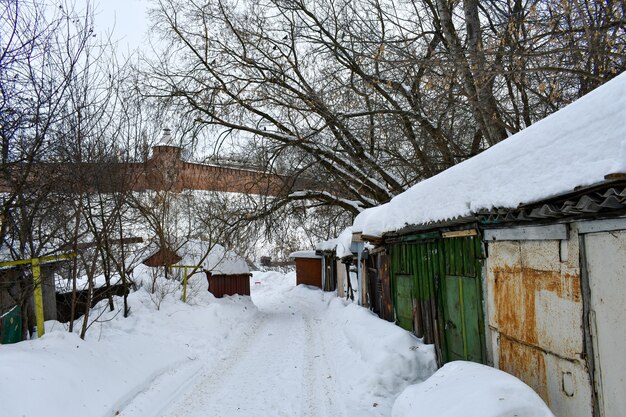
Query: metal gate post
x=38, y=294
x=184, y=285
x=37, y=290
x=185, y=276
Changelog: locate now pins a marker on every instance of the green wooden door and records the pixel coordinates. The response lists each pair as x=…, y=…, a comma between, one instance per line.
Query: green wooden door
x=404, y=301
x=437, y=294
x=402, y=280
x=462, y=300
x=414, y=268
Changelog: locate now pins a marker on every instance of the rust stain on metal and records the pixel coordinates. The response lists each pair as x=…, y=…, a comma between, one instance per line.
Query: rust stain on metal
x=526, y=363
x=522, y=343
x=516, y=289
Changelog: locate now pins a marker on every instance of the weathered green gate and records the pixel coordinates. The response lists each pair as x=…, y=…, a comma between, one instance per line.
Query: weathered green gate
x=414, y=268
x=437, y=293
x=11, y=325
x=404, y=301
x=462, y=300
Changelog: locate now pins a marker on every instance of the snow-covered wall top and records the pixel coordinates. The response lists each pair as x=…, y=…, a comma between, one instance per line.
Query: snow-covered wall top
x=341, y=244
x=575, y=146
x=219, y=261
x=310, y=254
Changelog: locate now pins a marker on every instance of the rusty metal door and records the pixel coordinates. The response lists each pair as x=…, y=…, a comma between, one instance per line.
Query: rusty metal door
x=462, y=300
x=605, y=255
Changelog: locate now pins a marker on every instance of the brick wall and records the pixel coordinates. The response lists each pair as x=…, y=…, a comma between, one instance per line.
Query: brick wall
x=164, y=171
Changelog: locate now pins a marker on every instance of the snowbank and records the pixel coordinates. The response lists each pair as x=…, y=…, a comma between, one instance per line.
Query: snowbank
x=383, y=357
x=576, y=146
x=270, y=286
x=162, y=340
x=469, y=389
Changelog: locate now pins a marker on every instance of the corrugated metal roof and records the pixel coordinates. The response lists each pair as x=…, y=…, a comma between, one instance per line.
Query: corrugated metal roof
x=589, y=202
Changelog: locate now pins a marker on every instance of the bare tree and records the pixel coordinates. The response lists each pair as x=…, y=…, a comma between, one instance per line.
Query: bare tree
x=41, y=51
x=367, y=98
x=39, y=55
x=68, y=131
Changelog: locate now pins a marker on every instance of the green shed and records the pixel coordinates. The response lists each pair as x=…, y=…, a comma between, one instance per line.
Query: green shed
x=437, y=291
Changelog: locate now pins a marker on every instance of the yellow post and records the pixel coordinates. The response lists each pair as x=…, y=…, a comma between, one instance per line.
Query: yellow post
x=38, y=294
x=184, y=285
x=185, y=268
x=37, y=291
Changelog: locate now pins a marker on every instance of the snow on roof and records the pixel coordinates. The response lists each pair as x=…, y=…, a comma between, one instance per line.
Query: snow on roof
x=219, y=261
x=166, y=139
x=576, y=146
x=64, y=285
x=304, y=254
x=341, y=244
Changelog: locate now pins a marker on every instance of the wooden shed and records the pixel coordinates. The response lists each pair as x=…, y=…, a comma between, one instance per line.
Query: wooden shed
x=517, y=257
x=429, y=283
x=162, y=257
x=336, y=257
x=101, y=291
x=308, y=268
x=16, y=298
x=227, y=273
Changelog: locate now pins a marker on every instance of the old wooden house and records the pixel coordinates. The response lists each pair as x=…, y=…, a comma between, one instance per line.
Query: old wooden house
x=517, y=257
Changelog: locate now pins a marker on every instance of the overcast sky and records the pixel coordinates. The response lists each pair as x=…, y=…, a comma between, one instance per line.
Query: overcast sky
x=125, y=20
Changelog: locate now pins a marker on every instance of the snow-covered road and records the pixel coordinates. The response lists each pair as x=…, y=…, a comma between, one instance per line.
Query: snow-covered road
x=285, y=351
x=303, y=353
x=279, y=367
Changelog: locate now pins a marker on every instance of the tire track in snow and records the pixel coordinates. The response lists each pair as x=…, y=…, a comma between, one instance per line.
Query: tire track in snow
x=319, y=382
x=256, y=379
x=278, y=366
x=207, y=381
x=159, y=392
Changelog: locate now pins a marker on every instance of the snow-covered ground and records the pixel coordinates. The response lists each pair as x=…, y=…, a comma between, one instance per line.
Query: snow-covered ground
x=284, y=351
